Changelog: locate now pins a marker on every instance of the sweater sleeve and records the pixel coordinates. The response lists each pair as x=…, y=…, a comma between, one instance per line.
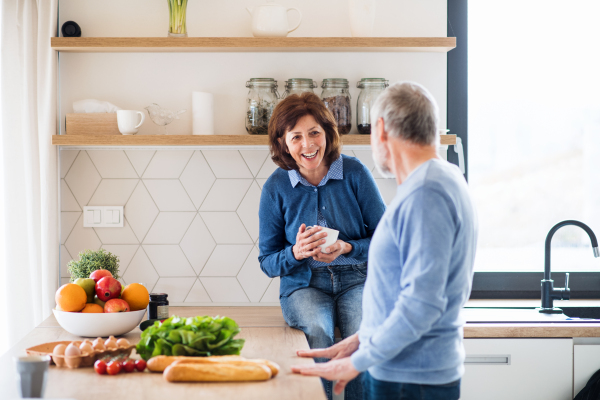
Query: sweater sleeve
x=372, y=208
x=424, y=232
x=276, y=256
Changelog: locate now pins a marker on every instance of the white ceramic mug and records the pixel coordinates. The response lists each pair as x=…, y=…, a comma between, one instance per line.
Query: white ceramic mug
x=128, y=121
x=331, y=238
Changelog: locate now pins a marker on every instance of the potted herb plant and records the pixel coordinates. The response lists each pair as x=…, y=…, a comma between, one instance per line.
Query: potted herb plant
x=90, y=261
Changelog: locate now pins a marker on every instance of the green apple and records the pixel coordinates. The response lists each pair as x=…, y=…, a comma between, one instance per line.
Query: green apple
x=99, y=302
x=89, y=286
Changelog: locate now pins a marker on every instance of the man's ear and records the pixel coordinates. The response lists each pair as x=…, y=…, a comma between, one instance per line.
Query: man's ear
x=381, y=134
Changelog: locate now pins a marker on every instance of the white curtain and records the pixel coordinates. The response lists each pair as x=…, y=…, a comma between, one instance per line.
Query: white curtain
x=29, y=260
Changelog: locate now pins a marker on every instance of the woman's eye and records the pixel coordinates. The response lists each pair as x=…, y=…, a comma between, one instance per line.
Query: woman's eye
x=315, y=132
x=296, y=137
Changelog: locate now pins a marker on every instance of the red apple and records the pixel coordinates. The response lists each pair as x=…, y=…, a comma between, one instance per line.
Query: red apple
x=108, y=288
x=99, y=274
x=116, y=305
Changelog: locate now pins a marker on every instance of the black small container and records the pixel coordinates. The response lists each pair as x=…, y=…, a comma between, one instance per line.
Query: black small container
x=70, y=29
x=158, y=308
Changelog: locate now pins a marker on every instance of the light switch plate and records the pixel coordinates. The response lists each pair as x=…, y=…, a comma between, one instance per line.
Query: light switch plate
x=103, y=217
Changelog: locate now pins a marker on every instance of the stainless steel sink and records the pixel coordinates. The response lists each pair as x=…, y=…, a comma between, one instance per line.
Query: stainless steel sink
x=531, y=315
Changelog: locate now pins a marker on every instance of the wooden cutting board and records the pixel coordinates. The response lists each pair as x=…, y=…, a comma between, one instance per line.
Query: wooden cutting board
x=92, y=124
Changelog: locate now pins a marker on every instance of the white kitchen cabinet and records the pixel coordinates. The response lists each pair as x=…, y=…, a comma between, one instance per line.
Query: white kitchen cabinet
x=518, y=369
x=586, y=361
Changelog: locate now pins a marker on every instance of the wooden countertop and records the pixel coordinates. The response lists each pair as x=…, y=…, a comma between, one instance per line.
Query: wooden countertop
x=271, y=317
x=276, y=342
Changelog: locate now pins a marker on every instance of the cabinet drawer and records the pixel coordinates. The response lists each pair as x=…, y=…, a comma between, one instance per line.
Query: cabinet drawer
x=518, y=369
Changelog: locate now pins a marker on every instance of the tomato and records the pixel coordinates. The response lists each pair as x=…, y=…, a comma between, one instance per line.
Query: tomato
x=100, y=367
x=128, y=366
x=113, y=367
x=140, y=365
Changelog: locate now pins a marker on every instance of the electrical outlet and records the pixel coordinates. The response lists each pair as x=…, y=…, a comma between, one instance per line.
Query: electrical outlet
x=103, y=216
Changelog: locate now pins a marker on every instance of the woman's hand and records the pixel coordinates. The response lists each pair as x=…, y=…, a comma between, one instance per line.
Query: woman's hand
x=334, y=251
x=308, y=242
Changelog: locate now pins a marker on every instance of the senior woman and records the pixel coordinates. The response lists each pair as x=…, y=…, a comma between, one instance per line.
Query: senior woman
x=315, y=185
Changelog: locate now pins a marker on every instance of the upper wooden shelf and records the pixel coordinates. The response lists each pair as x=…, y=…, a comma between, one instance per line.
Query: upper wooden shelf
x=245, y=44
x=194, y=140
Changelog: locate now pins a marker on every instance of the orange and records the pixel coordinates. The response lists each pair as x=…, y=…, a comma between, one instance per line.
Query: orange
x=71, y=297
x=136, y=295
x=92, y=308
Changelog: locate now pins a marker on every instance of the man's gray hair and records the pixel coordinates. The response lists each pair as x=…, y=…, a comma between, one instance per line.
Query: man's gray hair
x=409, y=112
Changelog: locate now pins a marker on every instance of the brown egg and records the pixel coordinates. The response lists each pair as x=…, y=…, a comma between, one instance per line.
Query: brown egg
x=59, y=350
x=111, y=343
x=72, y=351
x=86, y=348
x=98, y=345
x=123, y=343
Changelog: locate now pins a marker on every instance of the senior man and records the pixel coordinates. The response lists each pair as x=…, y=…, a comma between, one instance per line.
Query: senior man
x=420, y=264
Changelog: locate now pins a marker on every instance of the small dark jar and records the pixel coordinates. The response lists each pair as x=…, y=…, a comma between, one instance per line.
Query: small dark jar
x=158, y=308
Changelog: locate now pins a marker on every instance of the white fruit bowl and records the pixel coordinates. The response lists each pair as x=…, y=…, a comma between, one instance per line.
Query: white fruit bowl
x=99, y=324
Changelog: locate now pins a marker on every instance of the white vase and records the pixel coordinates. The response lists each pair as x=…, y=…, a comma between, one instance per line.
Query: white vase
x=362, y=17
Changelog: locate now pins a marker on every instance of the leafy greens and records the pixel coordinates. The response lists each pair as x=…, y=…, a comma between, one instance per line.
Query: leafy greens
x=194, y=336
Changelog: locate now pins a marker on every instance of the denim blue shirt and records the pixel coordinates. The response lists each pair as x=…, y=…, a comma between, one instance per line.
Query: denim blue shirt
x=352, y=205
x=336, y=171
x=420, y=273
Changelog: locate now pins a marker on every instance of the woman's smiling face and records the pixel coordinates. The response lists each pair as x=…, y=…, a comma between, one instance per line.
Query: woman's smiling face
x=306, y=144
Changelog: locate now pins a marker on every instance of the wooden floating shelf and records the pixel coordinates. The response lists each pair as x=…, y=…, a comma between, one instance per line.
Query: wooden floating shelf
x=194, y=140
x=245, y=44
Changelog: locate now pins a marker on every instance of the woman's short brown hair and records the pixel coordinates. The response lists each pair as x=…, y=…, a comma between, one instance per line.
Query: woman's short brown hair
x=286, y=116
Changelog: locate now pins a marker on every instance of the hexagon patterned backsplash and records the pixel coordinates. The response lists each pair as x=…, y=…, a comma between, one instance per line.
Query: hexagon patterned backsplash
x=190, y=219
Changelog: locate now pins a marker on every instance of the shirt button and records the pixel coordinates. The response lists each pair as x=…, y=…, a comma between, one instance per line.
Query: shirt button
x=323, y=207
x=315, y=190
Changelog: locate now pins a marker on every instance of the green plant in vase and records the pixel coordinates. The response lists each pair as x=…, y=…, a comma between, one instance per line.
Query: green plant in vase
x=177, y=11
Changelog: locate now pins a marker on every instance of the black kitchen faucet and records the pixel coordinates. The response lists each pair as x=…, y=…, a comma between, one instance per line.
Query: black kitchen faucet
x=549, y=293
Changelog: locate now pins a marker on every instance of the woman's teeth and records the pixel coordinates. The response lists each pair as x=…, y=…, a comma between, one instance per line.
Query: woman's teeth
x=310, y=155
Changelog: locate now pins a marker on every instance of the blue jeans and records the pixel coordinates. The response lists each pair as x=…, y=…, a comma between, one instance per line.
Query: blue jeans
x=334, y=297
x=381, y=390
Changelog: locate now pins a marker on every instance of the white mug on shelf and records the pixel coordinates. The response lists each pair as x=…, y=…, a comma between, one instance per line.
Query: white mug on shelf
x=128, y=121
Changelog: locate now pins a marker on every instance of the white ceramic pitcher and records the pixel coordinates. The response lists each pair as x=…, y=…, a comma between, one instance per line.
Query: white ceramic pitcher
x=270, y=20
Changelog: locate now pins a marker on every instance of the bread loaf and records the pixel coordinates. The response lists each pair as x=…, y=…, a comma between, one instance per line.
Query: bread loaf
x=160, y=363
x=216, y=372
x=214, y=360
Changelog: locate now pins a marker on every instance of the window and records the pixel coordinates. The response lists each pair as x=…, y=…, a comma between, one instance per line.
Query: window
x=533, y=138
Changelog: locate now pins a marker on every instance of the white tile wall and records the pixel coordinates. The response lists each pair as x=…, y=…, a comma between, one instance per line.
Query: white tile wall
x=191, y=218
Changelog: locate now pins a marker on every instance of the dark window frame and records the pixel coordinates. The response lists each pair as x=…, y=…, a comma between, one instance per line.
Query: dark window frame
x=494, y=285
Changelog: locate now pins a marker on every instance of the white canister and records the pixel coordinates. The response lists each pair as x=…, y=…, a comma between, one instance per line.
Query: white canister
x=203, y=113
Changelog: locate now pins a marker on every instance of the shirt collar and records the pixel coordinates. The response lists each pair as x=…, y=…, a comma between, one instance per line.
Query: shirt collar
x=336, y=171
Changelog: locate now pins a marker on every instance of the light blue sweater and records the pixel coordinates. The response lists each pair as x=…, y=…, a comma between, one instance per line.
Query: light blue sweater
x=420, y=273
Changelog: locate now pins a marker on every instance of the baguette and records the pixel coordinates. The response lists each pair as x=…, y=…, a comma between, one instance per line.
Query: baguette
x=160, y=363
x=217, y=372
x=214, y=360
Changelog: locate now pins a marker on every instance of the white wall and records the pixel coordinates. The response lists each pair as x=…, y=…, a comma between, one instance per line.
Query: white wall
x=133, y=81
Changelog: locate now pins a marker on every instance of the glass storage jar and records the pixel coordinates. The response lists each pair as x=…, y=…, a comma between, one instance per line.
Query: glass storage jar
x=298, y=86
x=262, y=99
x=336, y=96
x=370, y=89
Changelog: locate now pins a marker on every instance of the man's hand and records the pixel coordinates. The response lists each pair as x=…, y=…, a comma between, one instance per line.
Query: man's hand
x=342, y=349
x=334, y=251
x=340, y=370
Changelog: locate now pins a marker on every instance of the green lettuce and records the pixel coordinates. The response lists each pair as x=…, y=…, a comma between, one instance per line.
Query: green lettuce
x=194, y=336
